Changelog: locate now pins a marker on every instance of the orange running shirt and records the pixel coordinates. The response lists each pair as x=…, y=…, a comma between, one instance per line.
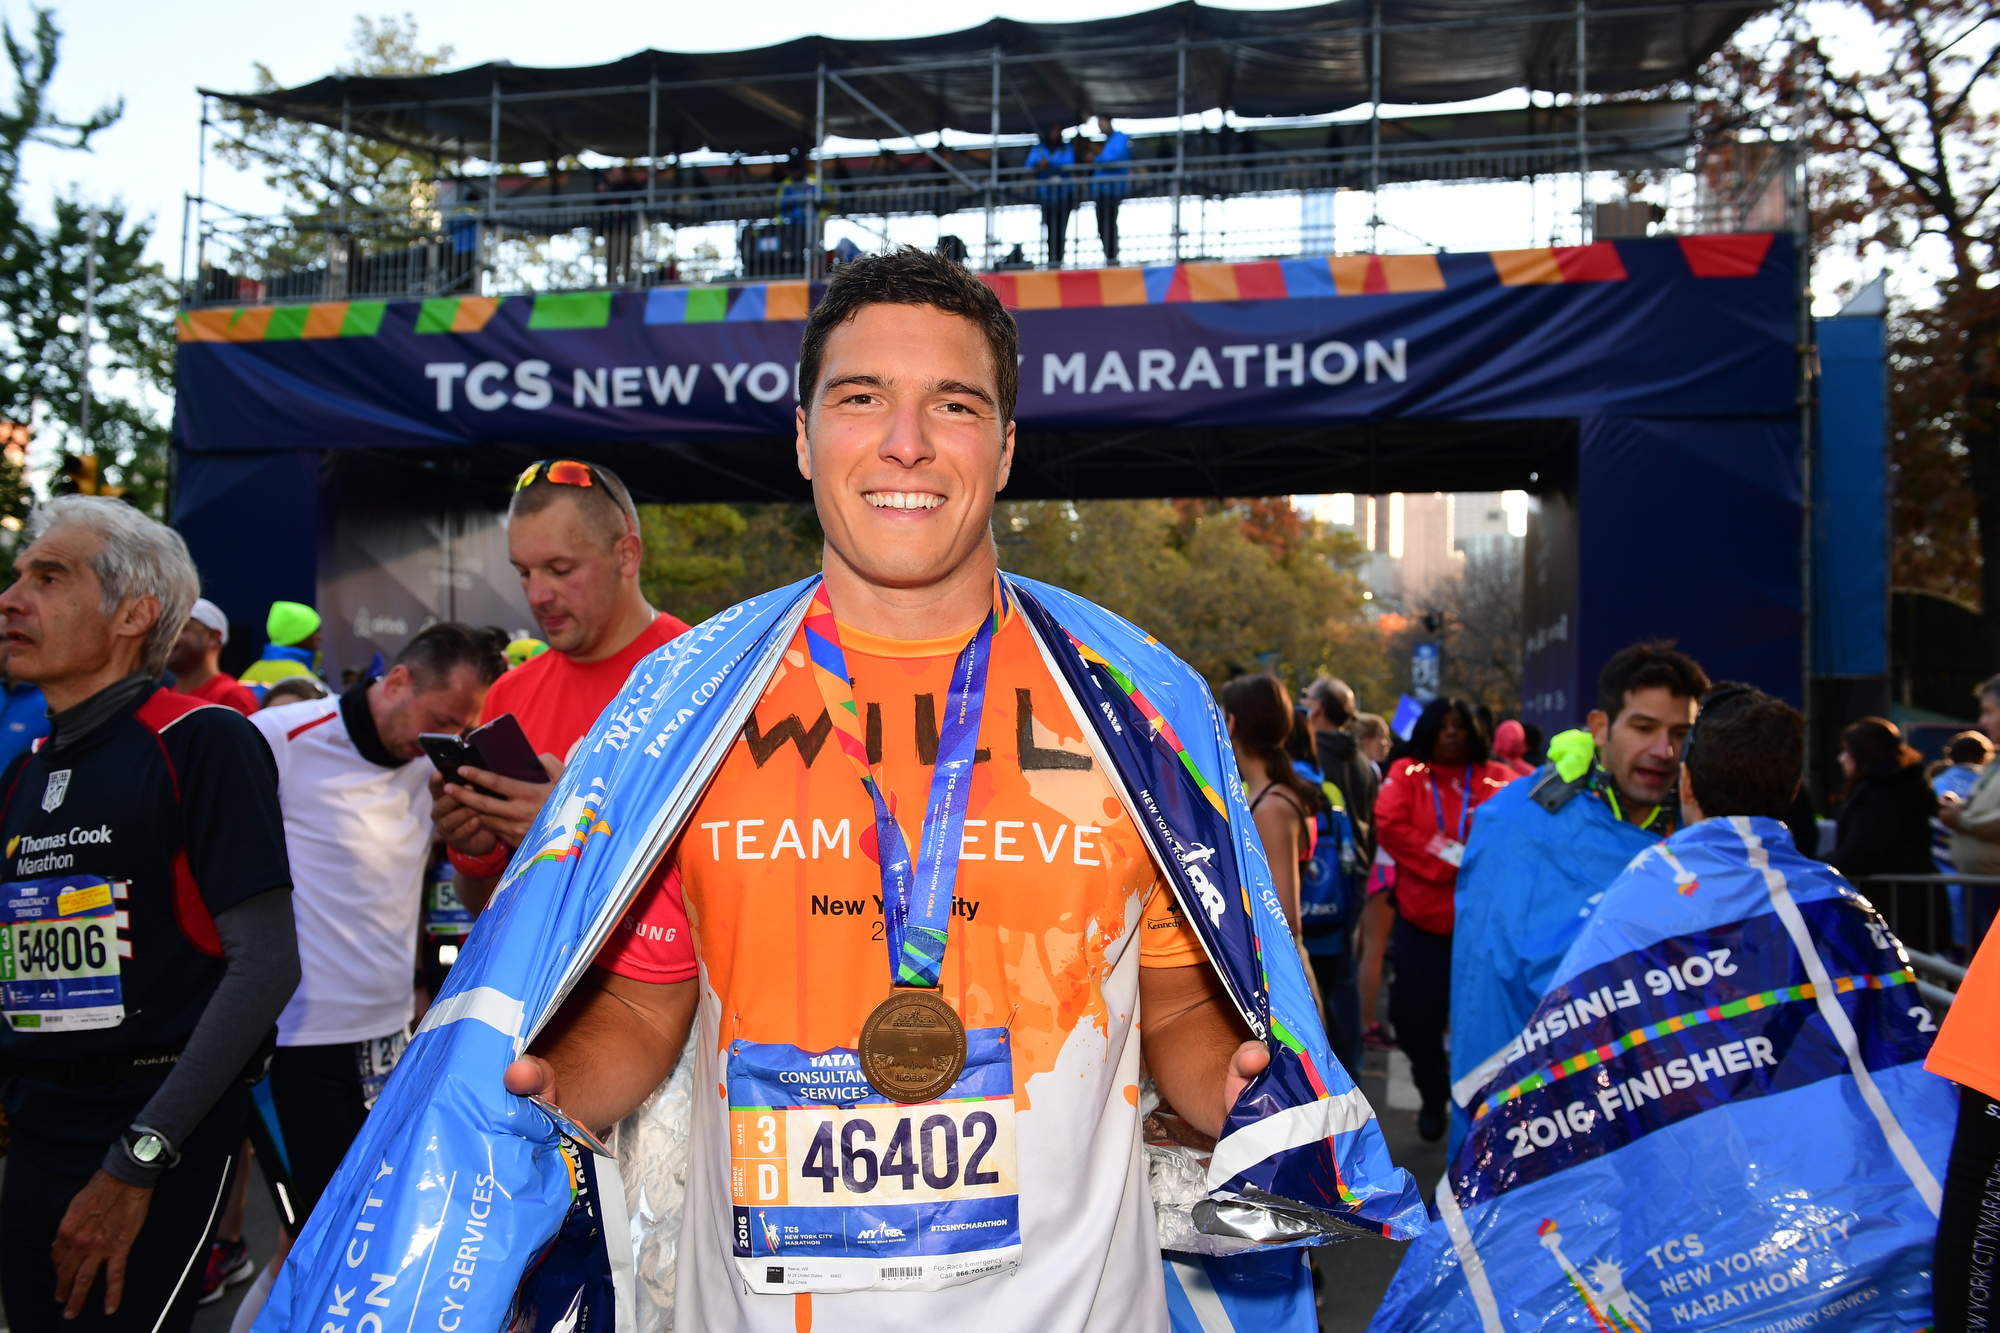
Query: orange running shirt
x=778, y=874
x=1967, y=1051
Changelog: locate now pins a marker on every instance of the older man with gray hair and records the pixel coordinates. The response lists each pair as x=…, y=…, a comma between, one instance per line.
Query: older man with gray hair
x=146, y=934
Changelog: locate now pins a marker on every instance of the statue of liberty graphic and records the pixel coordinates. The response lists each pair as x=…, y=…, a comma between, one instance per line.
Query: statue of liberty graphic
x=1615, y=1309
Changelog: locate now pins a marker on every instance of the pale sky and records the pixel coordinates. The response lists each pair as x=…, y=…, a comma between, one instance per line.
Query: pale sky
x=155, y=54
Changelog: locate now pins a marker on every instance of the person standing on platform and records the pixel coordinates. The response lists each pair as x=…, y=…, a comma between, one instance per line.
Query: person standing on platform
x=196, y=660
x=152, y=943
x=292, y=629
x=1548, y=846
x=1110, y=182
x=1051, y=160
x=1422, y=819
x=573, y=536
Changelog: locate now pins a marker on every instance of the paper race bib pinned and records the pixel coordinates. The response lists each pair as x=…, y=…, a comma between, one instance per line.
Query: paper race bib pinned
x=59, y=952
x=1448, y=850
x=836, y=1188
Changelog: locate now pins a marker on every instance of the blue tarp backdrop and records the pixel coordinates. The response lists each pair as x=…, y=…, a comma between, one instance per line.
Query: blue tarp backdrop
x=1645, y=389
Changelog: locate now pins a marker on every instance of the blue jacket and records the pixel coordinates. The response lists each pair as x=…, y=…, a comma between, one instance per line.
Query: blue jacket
x=1301, y=1131
x=1052, y=172
x=24, y=718
x=1528, y=884
x=1717, y=1118
x=1113, y=167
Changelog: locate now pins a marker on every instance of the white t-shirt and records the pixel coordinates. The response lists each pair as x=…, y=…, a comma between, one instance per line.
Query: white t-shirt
x=358, y=832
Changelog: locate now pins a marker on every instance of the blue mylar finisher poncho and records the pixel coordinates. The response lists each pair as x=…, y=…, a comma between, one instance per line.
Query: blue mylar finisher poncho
x=1717, y=1118
x=456, y=1188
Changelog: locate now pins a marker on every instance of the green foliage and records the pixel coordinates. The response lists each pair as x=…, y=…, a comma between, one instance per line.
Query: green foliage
x=701, y=559
x=41, y=307
x=1231, y=587
x=318, y=167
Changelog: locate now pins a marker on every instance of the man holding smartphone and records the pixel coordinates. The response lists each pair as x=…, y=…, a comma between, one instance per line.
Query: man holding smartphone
x=356, y=796
x=573, y=536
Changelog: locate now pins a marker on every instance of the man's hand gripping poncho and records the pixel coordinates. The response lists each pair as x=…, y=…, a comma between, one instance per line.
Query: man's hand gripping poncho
x=455, y=1187
x=1717, y=1118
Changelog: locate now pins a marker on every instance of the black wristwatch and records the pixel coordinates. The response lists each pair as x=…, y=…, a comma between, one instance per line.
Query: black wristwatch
x=149, y=1148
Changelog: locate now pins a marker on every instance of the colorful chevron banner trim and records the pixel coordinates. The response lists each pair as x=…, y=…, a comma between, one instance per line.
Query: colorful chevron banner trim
x=1161, y=730
x=1590, y=1059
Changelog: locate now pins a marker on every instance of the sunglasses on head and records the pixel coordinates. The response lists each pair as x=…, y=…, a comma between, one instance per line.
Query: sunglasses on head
x=569, y=472
x=557, y=472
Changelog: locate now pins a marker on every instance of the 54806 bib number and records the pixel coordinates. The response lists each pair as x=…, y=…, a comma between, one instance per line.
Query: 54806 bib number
x=59, y=953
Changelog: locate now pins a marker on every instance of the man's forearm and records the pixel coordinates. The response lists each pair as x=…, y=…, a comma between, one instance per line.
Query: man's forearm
x=474, y=891
x=1189, y=1030
x=260, y=942
x=612, y=1043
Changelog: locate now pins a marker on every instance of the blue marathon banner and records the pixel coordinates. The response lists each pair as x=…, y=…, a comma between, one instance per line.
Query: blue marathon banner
x=1618, y=328
x=1717, y=1118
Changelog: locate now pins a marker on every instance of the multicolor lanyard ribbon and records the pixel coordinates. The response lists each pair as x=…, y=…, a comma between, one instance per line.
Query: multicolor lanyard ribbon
x=916, y=902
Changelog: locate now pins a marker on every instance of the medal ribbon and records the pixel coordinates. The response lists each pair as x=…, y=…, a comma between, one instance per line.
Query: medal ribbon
x=916, y=901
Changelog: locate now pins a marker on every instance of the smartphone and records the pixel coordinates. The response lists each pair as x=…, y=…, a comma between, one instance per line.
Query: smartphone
x=450, y=753
x=506, y=751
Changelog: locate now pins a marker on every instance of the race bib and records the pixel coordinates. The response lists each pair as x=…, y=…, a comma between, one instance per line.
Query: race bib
x=445, y=917
x=374, y=1061
x=835, y=1188
x=59, y=951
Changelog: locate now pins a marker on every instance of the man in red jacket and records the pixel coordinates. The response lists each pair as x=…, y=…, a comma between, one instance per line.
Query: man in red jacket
x=573, y=537
x=196, y=660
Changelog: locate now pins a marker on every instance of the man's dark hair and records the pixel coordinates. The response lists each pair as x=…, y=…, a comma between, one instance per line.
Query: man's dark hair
x=1645, y=666
x=910, y=276
x=440, y=649
x=606, y=505
x=1335, y=699
x=1746, y=754
x=1424, y=735
x=1969, y=747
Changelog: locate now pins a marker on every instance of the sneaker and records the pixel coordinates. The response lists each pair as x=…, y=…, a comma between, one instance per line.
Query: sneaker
x=1376, y=1038
x=229, y=1263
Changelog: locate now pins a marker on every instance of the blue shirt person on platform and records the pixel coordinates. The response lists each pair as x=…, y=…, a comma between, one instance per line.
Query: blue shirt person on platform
x=24, y=716
x=1543, y=850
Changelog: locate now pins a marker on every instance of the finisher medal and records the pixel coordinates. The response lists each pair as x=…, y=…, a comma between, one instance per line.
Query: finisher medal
x=913, y=1045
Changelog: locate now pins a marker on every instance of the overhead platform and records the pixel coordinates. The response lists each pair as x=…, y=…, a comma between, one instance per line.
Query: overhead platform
x=1180, y=58
x=1646, y=390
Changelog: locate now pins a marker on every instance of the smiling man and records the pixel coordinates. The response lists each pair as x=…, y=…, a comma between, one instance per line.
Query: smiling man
x=573, y=536
x=914, y=699
x=149, y=942
x=1543, y=850
x=357, y=803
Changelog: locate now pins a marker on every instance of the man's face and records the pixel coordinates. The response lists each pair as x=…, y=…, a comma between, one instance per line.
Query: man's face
x=904, y=445
x=192, y=648
x=571, y=581
x=1641, y=747
x=403, y=712
x=56, y=626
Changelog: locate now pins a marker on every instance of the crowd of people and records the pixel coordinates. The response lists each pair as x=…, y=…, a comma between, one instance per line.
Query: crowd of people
x=218, y=887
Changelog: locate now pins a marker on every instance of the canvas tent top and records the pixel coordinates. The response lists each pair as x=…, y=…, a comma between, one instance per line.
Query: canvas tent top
x=1313, y=60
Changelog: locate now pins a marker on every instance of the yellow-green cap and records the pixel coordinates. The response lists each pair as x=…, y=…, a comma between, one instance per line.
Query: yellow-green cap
x=1572, y=752
x=524, y=650
x=290, y=622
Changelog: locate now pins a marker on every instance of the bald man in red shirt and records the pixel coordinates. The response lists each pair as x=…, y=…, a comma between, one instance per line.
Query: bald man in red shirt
x=573, y=537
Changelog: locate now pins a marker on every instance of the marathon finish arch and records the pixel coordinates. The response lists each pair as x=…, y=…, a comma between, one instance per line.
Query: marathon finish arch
x=1646, y=389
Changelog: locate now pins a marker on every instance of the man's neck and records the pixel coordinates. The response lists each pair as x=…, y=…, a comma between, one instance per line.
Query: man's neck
x=70, y=691
x=627, y=623
x=196, y=676
x=953, y=603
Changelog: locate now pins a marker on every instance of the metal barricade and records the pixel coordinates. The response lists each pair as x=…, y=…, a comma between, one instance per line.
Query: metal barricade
x=1916, y=916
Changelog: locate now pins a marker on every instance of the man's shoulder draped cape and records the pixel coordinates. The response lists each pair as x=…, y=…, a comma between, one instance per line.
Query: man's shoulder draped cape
x=455, y=1186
